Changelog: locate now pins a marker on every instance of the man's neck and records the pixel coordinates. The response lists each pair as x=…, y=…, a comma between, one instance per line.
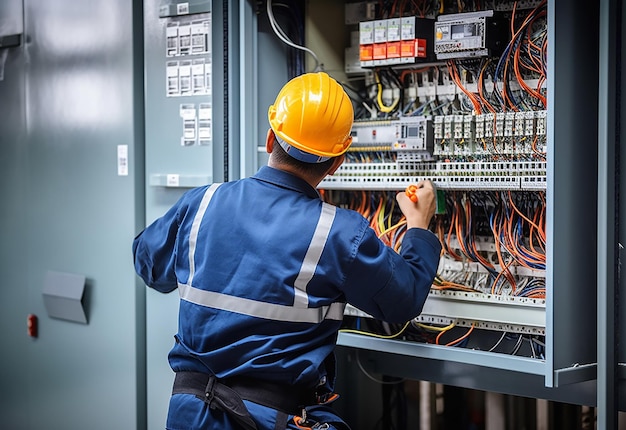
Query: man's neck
x=314, y=181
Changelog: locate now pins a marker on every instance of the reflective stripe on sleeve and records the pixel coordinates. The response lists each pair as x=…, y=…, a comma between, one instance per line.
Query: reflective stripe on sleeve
x=195, y=227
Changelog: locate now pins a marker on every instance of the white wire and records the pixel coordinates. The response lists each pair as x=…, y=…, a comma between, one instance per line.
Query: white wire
x=498, y=342
x=358, y=361
x=282, y=36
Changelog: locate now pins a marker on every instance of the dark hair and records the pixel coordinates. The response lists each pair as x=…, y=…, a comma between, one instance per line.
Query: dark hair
x=318, y=169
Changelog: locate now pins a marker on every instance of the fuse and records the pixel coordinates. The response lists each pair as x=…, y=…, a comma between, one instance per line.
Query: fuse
x=480, y=126
x=541, y=122
x=438, y=127
x=519, y=123
x=509, y=121
x=447, y=126
x=458, y=127
x=529, y=129
x=499, y=132
x=467, y=127
x=489, y=124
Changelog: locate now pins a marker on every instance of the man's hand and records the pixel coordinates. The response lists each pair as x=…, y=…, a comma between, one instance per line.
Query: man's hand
x=420, y=207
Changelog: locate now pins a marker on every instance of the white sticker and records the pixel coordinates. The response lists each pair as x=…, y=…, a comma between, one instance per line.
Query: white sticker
x=171, y=33
x=204, y=130
x=189, y=129
x=173, y=179
x=199, y=37
x=122, y=160
x=182, y=8
x=184, y=39
x=187, y=111
x=184, y=75
x=204, y=111
x=172, y=82
x=197, y=71
x=207, y=77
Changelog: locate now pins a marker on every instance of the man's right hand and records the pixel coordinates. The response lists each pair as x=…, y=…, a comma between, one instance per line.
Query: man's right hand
x=420, y=213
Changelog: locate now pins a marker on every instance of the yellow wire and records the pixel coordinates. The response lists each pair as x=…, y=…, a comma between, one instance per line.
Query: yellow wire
x=379, y=98
x=393, y=227
x=398, y=246
x=393, y=205
x=433, y=328
x=380, y=336
x=381, y=217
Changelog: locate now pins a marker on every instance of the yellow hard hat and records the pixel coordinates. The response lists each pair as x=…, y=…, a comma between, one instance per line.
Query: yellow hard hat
x=312, y=118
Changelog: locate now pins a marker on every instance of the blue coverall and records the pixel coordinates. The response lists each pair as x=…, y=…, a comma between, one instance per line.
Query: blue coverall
x=264, y=269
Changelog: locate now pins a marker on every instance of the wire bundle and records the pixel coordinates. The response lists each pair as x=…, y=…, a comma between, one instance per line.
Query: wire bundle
x=516, y=222
x=527, y=51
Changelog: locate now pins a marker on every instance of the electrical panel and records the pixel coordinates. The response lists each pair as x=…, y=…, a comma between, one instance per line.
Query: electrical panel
x=472, y=118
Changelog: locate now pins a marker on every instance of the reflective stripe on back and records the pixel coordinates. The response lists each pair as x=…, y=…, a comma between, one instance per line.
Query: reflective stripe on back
x=299, y=312
x=313, y=254
x=255, y=308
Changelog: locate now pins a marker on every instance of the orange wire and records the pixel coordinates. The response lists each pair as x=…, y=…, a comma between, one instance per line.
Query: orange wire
x=480, y=88
x=471, y=329
x=475, y=252
x=503, y=266
x=543, y=237
x=508, y=55
x=437, y=339
x=453, y=254
x=458, y=229
x=454, y=74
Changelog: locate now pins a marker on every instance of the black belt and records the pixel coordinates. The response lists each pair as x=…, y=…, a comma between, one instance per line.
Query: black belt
x=227, y=394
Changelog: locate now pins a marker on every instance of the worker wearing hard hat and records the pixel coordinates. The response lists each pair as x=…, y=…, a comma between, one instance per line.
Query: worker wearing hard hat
x=264, y=269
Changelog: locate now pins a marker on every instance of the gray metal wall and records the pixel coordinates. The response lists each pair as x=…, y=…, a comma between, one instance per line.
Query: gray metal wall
x=72, y=92
x=13, y=225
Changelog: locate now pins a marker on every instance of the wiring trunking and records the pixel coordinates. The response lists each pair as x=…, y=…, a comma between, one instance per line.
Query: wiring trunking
x=470, y=117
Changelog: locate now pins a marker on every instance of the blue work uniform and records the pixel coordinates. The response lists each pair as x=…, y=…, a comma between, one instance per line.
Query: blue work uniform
x=264, y=269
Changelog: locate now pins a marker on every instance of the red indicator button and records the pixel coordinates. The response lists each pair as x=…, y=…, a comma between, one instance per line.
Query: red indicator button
x=31, y=324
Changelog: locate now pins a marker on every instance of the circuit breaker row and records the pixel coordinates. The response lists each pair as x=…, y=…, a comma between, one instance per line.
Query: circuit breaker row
x=411, y=39
x=511, y=133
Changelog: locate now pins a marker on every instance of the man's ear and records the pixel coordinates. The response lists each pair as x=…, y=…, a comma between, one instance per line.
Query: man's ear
x=269, y=141
x=336, y=164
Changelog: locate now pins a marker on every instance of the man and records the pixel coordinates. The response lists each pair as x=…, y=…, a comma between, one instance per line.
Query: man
x=264, y=269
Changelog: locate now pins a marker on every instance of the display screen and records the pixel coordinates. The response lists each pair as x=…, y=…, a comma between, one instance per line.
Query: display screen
x=459, y=31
